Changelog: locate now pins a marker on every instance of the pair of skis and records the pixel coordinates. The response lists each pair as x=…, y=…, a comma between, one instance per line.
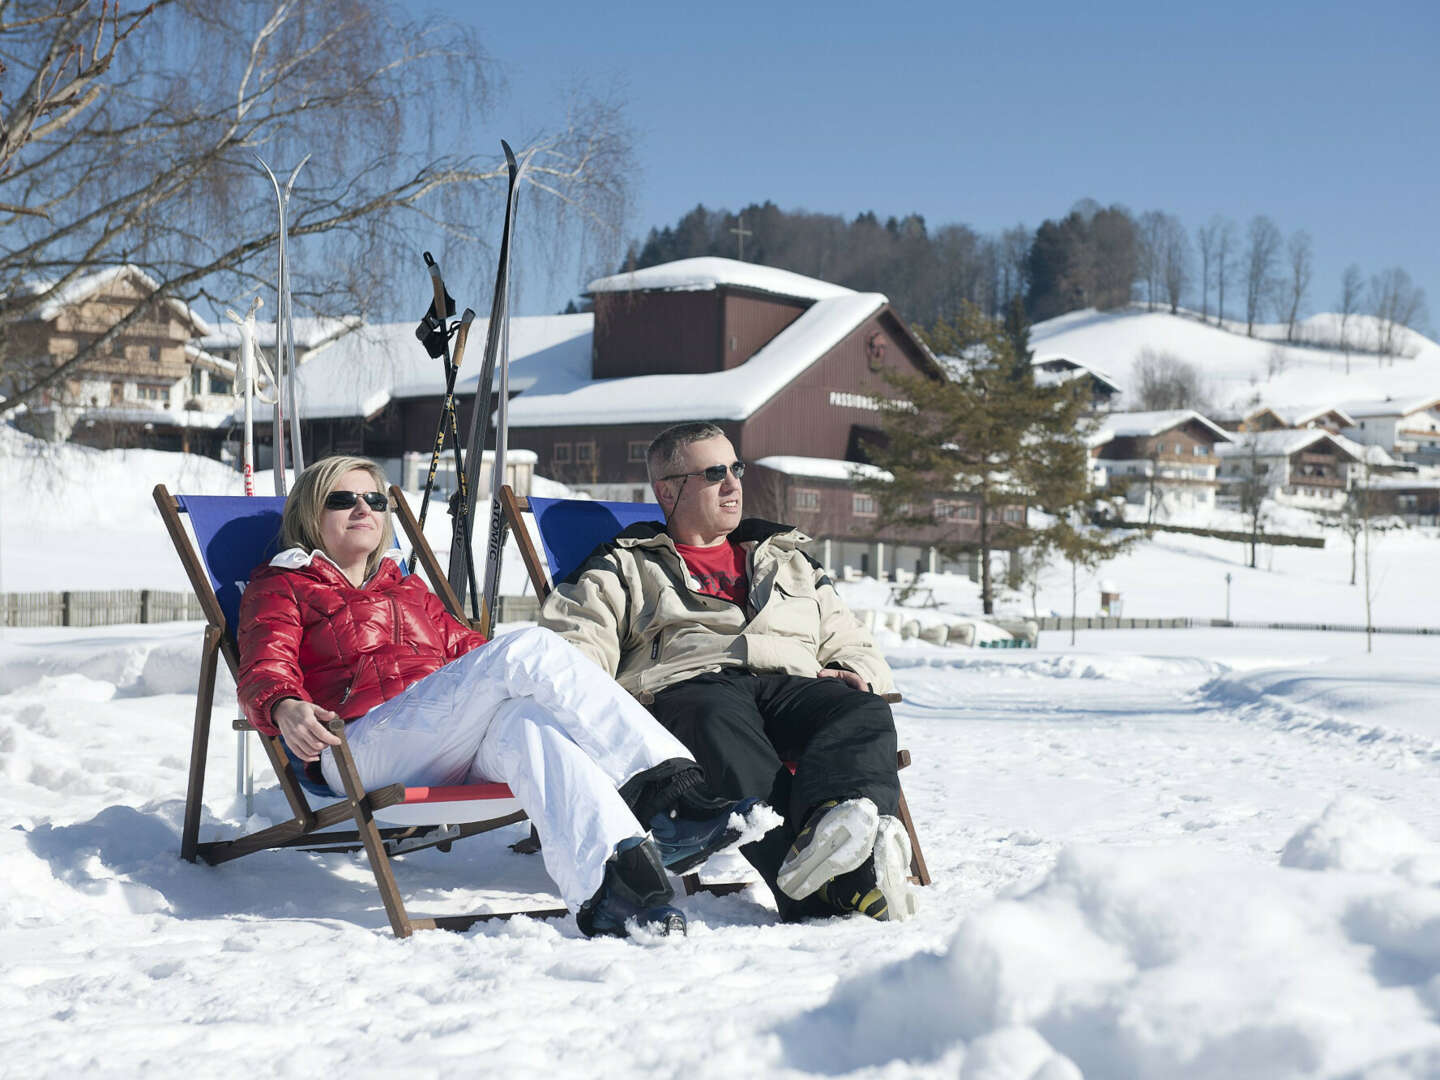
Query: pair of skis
x=434, y=333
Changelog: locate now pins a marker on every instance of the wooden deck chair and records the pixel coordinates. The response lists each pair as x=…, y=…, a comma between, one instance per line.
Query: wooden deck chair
x=570, y=529
x=235, y=535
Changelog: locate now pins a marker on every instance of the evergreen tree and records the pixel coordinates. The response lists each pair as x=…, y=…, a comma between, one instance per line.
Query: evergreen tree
x=986, y=438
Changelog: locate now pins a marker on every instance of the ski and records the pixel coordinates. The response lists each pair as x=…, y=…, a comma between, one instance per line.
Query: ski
x=497, y=341
x=286, y=394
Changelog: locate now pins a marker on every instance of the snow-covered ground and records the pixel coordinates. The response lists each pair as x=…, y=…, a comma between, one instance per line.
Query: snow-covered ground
x=1180, y=853
x=1176, y=854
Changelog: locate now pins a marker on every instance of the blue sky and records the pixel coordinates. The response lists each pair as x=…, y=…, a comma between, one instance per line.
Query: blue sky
x=1323, y=116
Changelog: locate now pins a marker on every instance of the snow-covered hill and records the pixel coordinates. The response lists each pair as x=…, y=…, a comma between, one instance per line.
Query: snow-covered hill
x=1244, y=372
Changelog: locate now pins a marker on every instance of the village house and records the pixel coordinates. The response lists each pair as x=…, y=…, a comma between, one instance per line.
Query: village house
x=1163, y=463
x=1409, y=429
x=1051, y=368
x=1307, y=467
x=153, y=386
x=1274, y=418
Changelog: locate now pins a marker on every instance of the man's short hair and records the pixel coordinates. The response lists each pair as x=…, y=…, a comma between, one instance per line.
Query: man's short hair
x=660, y=458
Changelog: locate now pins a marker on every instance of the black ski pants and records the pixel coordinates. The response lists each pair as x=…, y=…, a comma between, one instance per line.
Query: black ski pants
x=743, y=727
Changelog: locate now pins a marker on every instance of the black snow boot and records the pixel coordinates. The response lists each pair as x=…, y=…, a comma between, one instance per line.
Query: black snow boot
x=635, y=888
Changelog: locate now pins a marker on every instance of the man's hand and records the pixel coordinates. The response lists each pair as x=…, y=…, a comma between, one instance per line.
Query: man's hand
x=302, y=725
x=849, y=678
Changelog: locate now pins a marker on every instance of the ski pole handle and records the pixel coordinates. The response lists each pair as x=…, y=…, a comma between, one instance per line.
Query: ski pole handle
x=461, y=336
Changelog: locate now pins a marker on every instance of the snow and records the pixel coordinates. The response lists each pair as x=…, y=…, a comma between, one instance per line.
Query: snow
x=1207, y=853
x=709, y=272
x=360, y=372
x=310, y=331
x=721, y=395
x=1243, y=373
x=1282, y=443
x=822, y=468
x=85, y=285
x=1126, y=425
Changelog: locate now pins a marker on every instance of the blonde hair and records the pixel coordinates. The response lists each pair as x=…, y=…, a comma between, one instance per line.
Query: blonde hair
x=300, y=521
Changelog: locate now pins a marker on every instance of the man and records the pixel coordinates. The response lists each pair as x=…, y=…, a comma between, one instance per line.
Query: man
x=741, y=646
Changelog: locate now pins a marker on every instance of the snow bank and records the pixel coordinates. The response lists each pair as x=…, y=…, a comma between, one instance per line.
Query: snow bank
x=1162, y=963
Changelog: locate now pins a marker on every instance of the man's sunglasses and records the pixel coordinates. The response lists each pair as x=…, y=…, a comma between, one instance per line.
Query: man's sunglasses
x=714, y=474
x=345, y=500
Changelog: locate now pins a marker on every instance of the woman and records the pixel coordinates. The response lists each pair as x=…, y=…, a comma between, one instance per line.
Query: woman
x=332, y=627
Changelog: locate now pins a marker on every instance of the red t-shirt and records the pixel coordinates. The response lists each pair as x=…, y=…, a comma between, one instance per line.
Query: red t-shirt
x=719, y=569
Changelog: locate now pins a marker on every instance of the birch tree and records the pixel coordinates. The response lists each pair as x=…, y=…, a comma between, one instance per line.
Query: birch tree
x=128, y=134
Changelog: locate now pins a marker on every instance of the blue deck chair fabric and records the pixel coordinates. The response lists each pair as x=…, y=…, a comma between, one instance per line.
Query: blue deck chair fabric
x=570, y=529
x=236, y=534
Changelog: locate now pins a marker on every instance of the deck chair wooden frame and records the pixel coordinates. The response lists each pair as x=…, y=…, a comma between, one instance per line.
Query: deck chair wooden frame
x=314, y=828
x=515, y=508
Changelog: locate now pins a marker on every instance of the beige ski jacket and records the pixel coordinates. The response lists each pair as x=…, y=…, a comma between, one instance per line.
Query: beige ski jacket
x=633, y=609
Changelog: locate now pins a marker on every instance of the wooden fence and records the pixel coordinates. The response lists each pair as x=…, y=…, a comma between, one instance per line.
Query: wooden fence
x=107, y=607
x=96, y=607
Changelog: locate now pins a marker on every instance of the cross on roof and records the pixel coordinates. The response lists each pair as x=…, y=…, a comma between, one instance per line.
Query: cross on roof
x=740, y=233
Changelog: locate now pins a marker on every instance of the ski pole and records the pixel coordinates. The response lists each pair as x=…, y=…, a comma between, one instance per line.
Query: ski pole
x=447, y=418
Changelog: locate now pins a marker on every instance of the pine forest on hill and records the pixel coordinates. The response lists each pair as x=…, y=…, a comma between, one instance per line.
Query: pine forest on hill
x=1092, y=257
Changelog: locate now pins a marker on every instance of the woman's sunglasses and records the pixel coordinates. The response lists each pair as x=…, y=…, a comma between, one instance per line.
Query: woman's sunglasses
x=345, y=500
x=714, y=474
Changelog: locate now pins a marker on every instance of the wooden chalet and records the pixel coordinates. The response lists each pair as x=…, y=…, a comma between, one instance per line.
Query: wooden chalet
x=152, y=387
x=1163, y=462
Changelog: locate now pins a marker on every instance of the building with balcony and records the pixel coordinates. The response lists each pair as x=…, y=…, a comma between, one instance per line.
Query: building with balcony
x=150, y=386
x=1164, y=464
x=1409, y=429
x=1309, y=468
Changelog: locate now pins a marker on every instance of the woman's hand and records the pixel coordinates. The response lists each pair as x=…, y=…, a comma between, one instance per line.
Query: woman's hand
x=302, y=725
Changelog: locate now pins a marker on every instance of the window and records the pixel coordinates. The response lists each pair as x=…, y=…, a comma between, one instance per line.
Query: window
x=952, y=510
x=805, y=499
x=584, y=453
x=560, y=453
x=197, y=381
x=862, y=505
x=155, y=353
x=636, y=450
x=1198, y=450
x=117, y=348
x=1014, y=514
x=219, y=385
x=151, y=392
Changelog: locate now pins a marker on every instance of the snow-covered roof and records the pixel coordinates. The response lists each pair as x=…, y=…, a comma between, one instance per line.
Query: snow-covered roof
x=1301, y=417
x=200, y=357
x=1060, y=367
x=1390, y=407
x=361, y=372
x=558, y=398
x=88, y=284
x=821, y=468
x=1133, y=425
x=310, y=332
x=1282, y=443
x=145, y=414
x=710, y=272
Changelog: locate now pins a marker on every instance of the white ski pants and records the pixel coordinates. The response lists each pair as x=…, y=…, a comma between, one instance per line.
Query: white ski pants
x=530, y=711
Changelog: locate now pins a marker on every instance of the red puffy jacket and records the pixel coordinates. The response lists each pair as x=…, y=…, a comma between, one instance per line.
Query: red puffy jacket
x=306, y=632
